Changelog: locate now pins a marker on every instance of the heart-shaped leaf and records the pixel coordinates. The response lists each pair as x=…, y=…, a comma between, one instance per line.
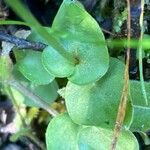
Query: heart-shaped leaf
x=62, y=133
x=92, y=61
x=56, y=64
x=31, y=67
x=93, y=138
x=61, y=66
x=97, y=103
x=84, y=42
x=141, y=112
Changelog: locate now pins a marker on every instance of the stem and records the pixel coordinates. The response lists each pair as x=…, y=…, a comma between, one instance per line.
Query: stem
x=108, y=32
x=140, y=53
x=18, y=86
x=124, y=96
x=12, y=22
x=21, y=43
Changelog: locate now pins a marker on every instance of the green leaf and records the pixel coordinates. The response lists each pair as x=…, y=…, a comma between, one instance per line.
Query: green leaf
x=65, y=134
x=97, y=103
x=72, y=20
x=62, y=133
x=47, y=93
x=61, y=70
x=31, y=67
x=137, y=95
x=82, y=37
x=56, y=64
x=93, y=62
x=94, y=138
x=141, y=119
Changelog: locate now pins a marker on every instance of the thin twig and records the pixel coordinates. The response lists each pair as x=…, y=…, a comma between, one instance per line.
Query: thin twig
x=21, y=43
x=106, y=31
x=21, y=88
x=124, y=96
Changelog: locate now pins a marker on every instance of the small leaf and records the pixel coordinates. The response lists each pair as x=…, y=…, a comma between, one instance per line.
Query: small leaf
x=56, y=64
x=94, y=138
x=31, y=67
x=141, y=119
x=92, y=62
x=47, y=93
x=97, y=103
x=137, y=95
x=61, y=133
x=64, y=134
x=84, y=42
x=50, y=59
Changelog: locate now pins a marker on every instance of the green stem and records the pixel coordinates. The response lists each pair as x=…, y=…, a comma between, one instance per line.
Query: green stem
x=140, y=54
x=12, y=22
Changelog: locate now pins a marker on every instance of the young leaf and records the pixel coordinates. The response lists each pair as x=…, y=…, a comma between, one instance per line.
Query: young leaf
x=97, y=103
x=62, y=133
x=65, y=68
x=94, y=138
x=137, y=95
x=47, y=93
x=56, y=64
x=141, y=119
x=31, y=67
x=82, y=37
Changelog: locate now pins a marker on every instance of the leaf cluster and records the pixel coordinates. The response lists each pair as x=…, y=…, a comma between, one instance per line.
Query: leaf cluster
x=78, y=51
